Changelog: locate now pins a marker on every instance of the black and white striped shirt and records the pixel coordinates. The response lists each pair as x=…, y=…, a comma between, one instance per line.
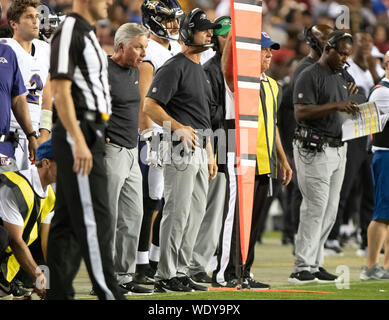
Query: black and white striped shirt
x=76, y=55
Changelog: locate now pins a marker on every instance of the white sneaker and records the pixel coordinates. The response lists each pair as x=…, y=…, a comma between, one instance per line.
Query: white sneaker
x=374, y=273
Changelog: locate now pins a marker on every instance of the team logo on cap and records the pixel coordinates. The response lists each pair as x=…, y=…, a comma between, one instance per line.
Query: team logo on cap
x=265, y=34
x=203, y=16
x=3, y=60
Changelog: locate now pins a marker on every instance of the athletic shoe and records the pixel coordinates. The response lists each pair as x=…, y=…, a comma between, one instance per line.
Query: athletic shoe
x=171, y=285
x=323, y=276
x=142, y=278
x=254, y=284
x=233, y=283
x=132, y=288
x=374, y=273
x=228, y=284
x=302, y=277
x=11, y=290
x=189, y=283
x=201, y=277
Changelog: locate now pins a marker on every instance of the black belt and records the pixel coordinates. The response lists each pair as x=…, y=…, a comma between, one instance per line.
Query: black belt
x=333, y=142
x=93, y=116
x=11, y=137
x=5, y=137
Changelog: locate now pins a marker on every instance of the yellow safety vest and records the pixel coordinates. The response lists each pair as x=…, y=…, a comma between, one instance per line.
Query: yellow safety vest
x=267, y=119
x=34, y=211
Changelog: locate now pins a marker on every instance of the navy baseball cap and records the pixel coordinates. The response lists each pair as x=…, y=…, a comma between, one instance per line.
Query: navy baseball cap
x=266, y=42
x=201, y=22
x=45, y=151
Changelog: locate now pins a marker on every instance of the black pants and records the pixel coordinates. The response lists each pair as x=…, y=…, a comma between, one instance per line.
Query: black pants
x=231, y=232
x=261, y=188
x=82, y=225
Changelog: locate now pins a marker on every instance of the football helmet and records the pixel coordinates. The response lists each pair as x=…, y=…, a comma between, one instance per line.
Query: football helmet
x=156, y=11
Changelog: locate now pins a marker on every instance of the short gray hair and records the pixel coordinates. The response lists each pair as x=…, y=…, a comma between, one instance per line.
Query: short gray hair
x=127, y=32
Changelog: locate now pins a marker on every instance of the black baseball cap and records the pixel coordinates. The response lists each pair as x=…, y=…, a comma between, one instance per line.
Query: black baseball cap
x=201, y=22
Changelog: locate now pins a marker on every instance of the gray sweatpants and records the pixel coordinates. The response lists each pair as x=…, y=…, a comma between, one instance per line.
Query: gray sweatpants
x=185, y=193
x=209, y=233
x=320, y=180
x=126, y=201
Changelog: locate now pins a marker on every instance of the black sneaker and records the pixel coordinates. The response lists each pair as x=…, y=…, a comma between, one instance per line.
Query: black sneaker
x=229, y=284
x=323, y=276
x=201, y=277
x=302, y=277
x=188, y=282
x=19, y=291
x=142, y=278
x=254, y=284
x=11, y=290
x=133, y=288
x=171, y=285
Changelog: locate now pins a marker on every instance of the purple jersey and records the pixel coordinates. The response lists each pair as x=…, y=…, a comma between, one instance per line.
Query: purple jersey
x=11, y=85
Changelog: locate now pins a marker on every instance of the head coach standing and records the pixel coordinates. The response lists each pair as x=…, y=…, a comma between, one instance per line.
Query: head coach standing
x=180, y=94
x=321, y=91
x=82, y=225
x=121, y=152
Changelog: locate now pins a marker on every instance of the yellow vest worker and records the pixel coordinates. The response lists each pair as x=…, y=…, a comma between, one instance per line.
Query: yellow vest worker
x=26, y=207
x=267, y=121
x=33, y=209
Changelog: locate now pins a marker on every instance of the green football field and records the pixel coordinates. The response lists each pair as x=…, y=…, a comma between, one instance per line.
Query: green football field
x=273, y=265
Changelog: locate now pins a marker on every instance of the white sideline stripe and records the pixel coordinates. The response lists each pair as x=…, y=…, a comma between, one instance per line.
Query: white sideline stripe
x=248, y=124
x=248, y=46
x=247, y=7
x=228, y=223
x=249, y=85
x=64, y=45
x=91, y=230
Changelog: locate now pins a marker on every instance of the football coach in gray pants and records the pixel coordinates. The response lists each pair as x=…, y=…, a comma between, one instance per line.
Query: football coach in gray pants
x=180, y=97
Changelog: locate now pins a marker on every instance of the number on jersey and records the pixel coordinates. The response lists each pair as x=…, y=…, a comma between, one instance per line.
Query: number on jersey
x=36, y=84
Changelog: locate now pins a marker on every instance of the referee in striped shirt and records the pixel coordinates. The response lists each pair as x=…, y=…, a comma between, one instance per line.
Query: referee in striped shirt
x=82, y=225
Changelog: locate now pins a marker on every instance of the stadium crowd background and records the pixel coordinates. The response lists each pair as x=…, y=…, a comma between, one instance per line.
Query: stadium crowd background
x=283, y=20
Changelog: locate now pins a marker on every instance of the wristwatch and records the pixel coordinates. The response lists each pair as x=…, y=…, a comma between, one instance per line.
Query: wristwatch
x=32, y=134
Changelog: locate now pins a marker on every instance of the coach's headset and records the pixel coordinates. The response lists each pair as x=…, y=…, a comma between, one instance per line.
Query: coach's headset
x=332, y=43
x=187, y=29
x=214, y=36
x=312, y=41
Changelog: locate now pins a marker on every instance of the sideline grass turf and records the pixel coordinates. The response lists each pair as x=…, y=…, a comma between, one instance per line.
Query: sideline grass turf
x=273, y=265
